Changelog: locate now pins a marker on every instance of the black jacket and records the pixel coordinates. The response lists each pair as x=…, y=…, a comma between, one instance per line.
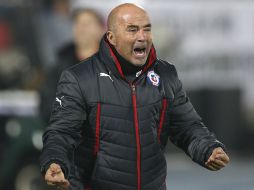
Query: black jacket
x=116, y=131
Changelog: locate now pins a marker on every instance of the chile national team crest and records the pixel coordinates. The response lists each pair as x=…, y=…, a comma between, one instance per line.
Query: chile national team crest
x=153, y=78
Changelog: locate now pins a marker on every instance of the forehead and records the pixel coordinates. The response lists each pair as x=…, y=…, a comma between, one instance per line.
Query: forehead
x=135, y=18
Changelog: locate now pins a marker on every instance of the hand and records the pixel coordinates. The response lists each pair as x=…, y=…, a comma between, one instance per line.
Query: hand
x=217, y=160
x=55, y=177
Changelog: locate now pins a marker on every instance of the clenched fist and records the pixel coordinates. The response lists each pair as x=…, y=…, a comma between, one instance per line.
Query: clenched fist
x=217, y=160
x=55, y=177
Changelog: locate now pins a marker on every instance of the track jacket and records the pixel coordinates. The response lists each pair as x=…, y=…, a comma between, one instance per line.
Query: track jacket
x=116, y=131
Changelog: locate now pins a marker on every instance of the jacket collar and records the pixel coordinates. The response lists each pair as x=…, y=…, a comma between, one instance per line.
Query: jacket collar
x=107, y=55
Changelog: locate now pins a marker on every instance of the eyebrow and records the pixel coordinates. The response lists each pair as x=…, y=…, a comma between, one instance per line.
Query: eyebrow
x=132, y=26
x=148, y=25
x=135, y=26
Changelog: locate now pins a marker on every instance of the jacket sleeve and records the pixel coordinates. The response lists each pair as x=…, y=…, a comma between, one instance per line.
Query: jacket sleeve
x=64, y=131
x=187, y=131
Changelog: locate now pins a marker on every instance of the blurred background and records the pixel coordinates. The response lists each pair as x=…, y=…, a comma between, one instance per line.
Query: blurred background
x=211, y=43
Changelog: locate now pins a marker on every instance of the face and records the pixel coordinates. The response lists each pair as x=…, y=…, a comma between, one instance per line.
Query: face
x=132, y=36
x=87, y=29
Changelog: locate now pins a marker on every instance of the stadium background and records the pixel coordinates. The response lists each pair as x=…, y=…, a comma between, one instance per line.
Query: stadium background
x=210, y=42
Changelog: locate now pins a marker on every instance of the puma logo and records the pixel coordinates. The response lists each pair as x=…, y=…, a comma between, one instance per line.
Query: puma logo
x=59, y=100
x=106, y=75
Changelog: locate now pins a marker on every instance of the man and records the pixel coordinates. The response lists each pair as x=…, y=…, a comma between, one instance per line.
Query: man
x=123, y=104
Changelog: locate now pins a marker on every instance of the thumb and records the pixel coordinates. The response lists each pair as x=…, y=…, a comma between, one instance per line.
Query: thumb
x=55, y=176
x=54, y=172
x=219, y=150
x=213, y=155
x=55, y=168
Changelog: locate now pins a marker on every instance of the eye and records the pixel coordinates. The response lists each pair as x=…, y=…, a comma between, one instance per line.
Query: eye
x=147, y=29
x=132, y=29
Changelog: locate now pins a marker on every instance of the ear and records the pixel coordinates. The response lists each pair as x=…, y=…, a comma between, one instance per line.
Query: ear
x=111, y=38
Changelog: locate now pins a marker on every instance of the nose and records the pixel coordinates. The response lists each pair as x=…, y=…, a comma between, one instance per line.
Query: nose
x=141, y=36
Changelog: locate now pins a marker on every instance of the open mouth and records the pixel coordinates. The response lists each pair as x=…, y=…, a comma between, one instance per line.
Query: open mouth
x=140, y=52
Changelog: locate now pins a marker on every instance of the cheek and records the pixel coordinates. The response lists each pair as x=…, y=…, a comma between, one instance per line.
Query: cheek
x=127, y=47
x=124, y=44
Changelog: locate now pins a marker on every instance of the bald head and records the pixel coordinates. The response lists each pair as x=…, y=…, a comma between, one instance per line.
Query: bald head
x=117, y=14
x=129, y=31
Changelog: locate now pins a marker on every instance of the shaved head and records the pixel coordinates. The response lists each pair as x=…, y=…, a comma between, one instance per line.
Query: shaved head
x=129, y=31
x=115, y=15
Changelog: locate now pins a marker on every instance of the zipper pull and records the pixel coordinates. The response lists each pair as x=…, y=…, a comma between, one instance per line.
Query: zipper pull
x=133, y=87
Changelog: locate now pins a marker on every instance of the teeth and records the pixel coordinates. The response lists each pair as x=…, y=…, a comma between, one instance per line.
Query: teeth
x=140, y=52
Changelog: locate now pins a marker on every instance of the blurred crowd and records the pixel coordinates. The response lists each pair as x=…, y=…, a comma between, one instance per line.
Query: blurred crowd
x=38, y=42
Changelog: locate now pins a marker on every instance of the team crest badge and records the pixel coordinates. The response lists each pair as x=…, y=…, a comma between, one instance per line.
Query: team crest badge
x=153, y=78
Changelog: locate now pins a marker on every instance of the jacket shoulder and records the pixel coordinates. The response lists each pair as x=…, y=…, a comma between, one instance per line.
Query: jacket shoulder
x=85, y=67
x=169, y=76
x=87, y=70
x=165, y=67
x=86, y=75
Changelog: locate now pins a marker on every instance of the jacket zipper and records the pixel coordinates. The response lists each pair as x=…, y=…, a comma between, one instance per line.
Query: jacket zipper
x=135, y=113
